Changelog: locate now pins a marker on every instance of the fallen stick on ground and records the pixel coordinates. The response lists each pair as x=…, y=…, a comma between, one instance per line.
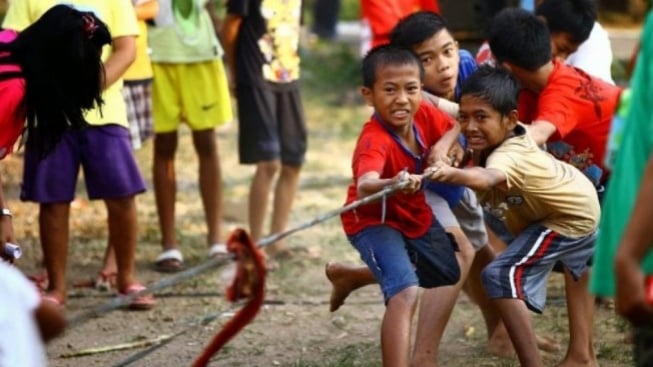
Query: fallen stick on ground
x=112, y=348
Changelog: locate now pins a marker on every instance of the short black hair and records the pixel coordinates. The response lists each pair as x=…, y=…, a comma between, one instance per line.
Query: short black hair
x=521, y=38
x=386, y=55
x=416, y=28
x=575, y=17
x=495, y=85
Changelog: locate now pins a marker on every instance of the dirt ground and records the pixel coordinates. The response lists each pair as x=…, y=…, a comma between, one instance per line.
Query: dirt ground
x=295, y=327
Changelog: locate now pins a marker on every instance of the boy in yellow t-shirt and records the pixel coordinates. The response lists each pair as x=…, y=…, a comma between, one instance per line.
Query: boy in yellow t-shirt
x=103, y=150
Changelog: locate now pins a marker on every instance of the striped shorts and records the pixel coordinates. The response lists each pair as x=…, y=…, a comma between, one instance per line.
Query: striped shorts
x=522, y=270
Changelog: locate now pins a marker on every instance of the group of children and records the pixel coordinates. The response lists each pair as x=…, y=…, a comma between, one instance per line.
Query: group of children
x=534, y=130
x=466, y=142
x=83, y=78
x=148, y=94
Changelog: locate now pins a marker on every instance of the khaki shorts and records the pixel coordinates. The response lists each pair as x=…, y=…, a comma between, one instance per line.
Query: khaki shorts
x=196, y=93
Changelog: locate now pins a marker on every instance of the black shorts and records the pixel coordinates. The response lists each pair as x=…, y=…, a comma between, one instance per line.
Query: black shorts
x=271, y=125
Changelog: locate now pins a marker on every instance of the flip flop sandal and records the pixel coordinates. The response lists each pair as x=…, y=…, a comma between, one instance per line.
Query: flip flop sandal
x=218, y=249
x=169, y=261
x=104, y=282
x=144, y=302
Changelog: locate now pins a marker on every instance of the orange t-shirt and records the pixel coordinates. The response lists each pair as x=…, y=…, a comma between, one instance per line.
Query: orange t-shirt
x=581, y=107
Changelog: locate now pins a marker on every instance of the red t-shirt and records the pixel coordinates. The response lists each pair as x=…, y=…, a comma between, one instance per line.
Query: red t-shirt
x=581, y=107
x=383, y=15
x=12, y=110
x=378, y=151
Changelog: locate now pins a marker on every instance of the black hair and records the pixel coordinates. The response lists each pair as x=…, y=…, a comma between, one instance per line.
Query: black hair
x=519, y=37
x=575, y=17
x=60, y=58
x=387, y=55
x=416, y=28
x=495, y=85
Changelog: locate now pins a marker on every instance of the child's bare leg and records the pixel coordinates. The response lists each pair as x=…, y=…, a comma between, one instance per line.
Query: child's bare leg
x=498, y=339
x=344, y=280
x=396, y=328
x=499, y=342
x=580, y=308
x=518, y=323
x=284, y=194
x=436, y=306
x=123, y=232
x=53, y=229
x=259, y=192
x=109, y=263
x=165, y=186
x=210, y=182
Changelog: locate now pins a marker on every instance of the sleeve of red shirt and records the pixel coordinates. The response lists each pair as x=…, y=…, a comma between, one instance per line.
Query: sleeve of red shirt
x=553, y=106
x=371, y=152
x=434, y=122
x=12, y=117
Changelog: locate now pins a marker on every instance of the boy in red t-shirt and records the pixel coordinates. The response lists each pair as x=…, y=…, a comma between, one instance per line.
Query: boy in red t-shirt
x=566, y=108
x=398, y=238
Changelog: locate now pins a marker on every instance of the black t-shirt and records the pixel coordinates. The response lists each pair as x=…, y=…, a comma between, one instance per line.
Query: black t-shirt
x=267, y=43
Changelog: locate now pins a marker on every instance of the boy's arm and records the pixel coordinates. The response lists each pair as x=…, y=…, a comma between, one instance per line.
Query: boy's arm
x=371, y=182
x=476, y=178
x=122, y=56
x=635, y=244
x=229, y=35
x=442, y=149
x=541, y=130
x=146, y=9
x=443, y=104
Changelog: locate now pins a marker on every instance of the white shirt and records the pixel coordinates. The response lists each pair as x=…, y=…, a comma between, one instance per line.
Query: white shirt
x=594, y=56
x=20, y=340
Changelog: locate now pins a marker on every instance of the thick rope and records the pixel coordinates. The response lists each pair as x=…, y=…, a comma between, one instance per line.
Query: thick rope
x=122, y=301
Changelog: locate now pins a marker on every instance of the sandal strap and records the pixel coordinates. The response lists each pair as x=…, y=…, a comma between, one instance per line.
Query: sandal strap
x=170, y=254
x=218, y=249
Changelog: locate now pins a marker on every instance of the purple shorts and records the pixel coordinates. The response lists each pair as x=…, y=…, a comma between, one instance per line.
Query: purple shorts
x=105, y=154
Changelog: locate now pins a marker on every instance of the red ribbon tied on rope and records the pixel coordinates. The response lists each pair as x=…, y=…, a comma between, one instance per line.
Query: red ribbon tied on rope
x=248, y=283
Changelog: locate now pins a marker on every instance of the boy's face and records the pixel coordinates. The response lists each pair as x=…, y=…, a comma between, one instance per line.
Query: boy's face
x=439, y=55
x=562, y=45
x=483, y=126
x=396, y=94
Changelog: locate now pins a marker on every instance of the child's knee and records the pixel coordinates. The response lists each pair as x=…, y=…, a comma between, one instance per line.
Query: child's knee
x=406, y=297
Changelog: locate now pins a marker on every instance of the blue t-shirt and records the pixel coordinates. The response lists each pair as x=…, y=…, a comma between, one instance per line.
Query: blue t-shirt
x=453, y=193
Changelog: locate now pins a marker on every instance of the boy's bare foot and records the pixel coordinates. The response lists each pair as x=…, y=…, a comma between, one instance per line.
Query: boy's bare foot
x=340, y=285
x=569, y=363
x=547, y=344
x=501, y=346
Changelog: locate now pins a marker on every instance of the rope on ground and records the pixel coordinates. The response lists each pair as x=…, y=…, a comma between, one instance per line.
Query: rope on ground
x=213, y=262
x=122, y=301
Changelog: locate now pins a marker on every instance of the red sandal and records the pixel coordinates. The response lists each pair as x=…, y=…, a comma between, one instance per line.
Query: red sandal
x=142, y=302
